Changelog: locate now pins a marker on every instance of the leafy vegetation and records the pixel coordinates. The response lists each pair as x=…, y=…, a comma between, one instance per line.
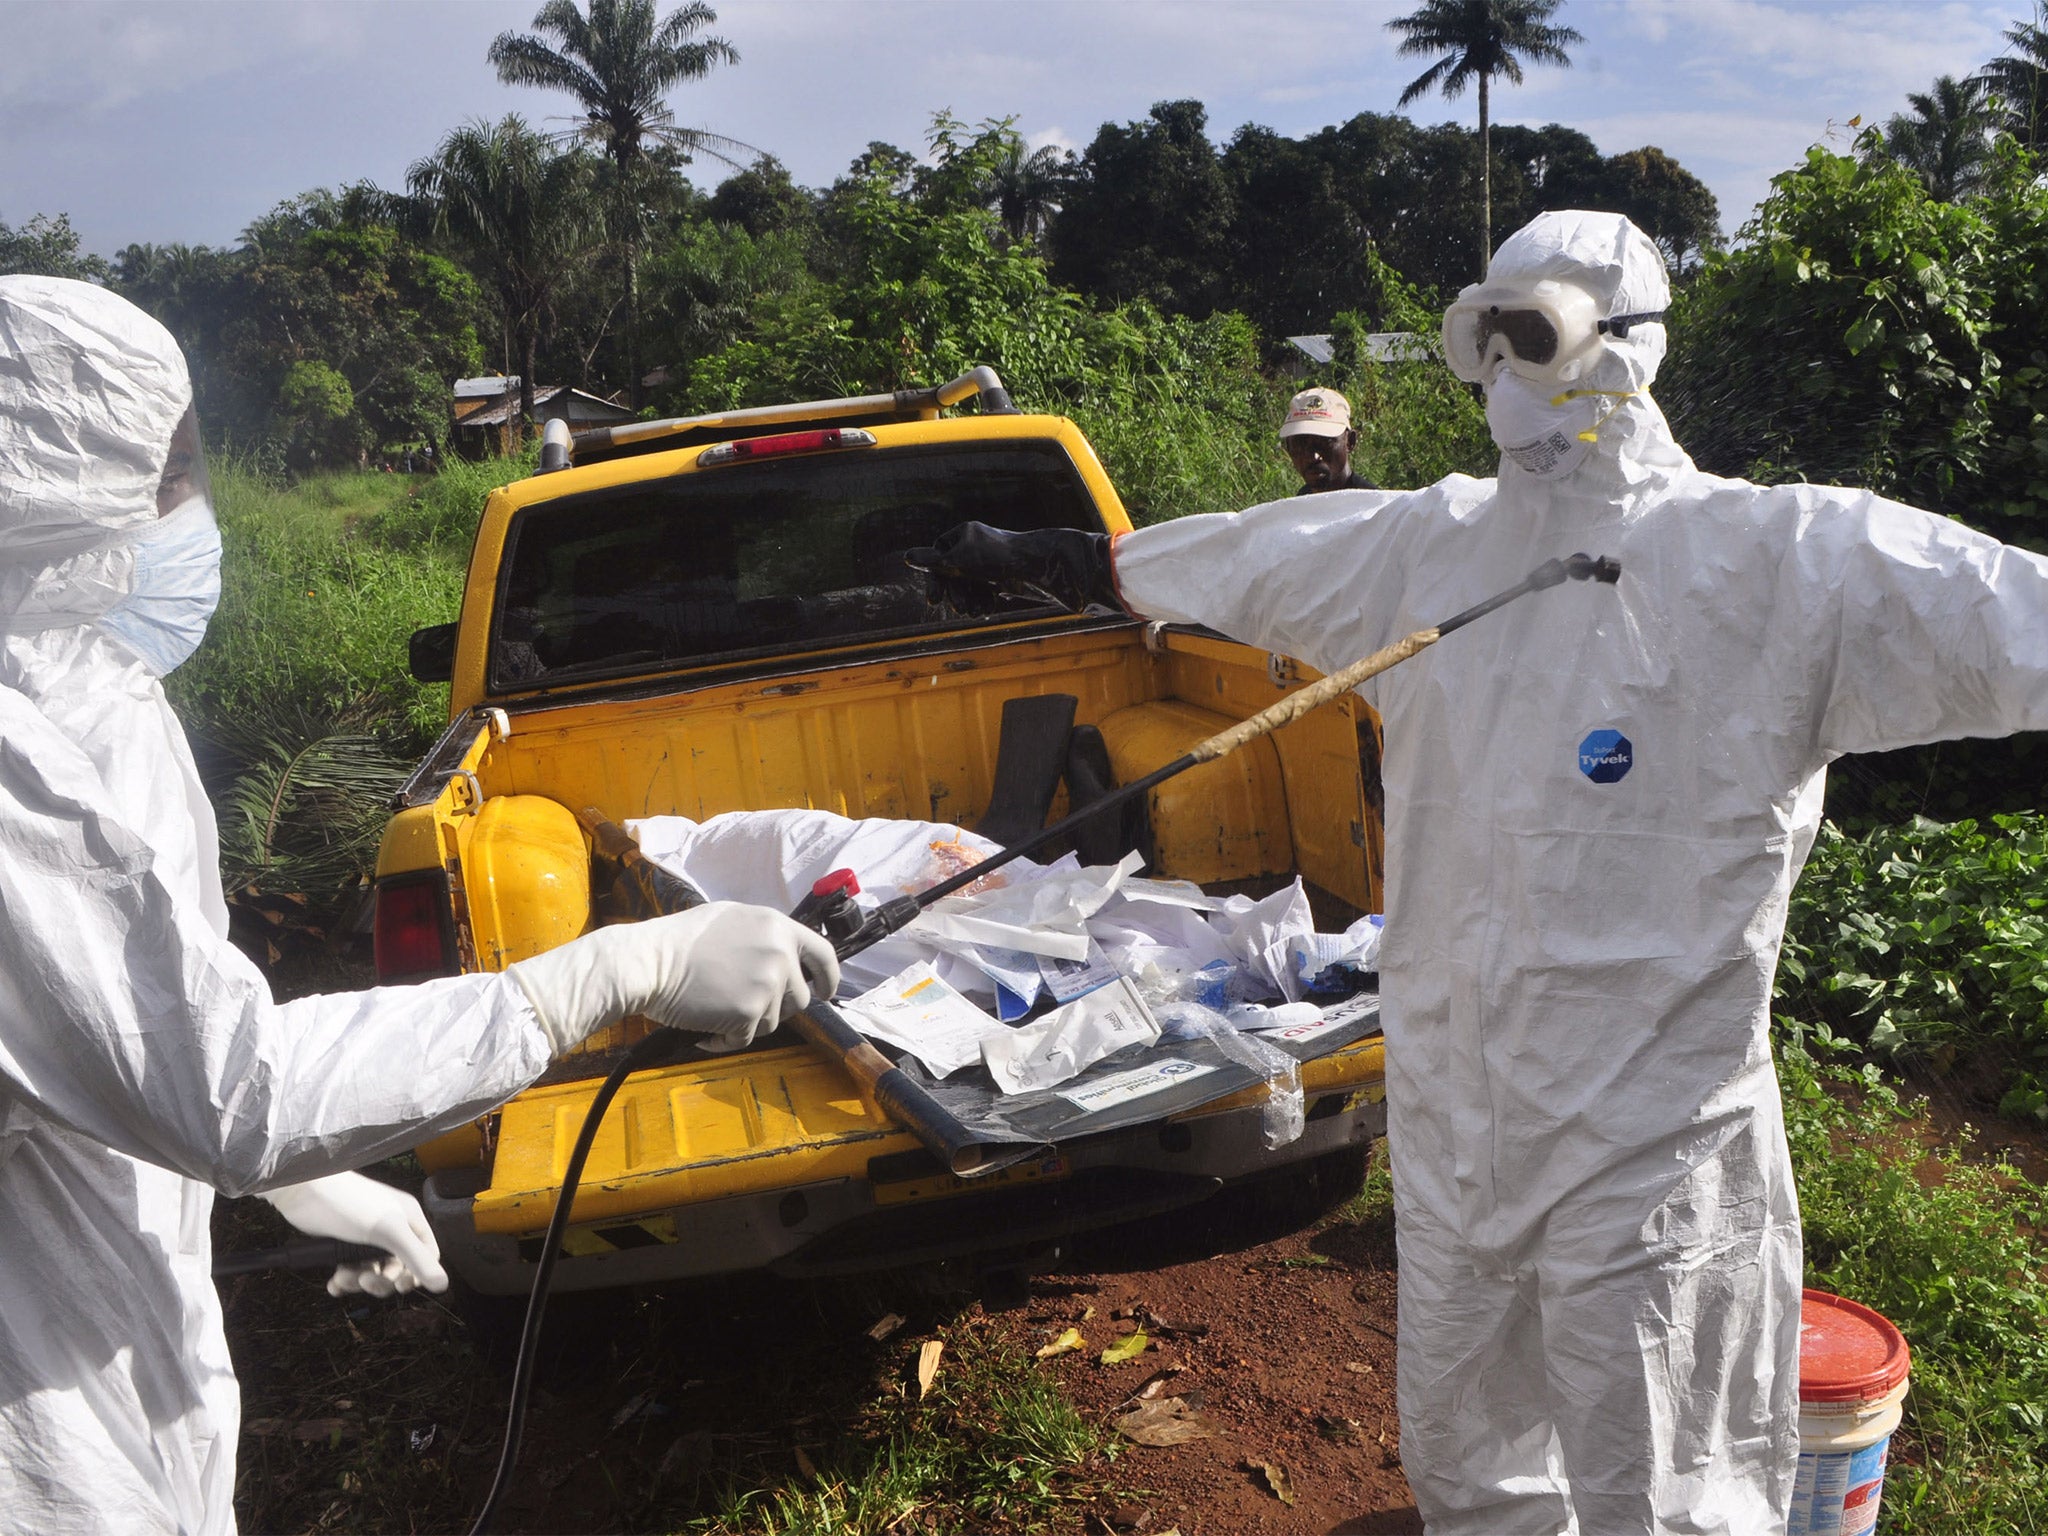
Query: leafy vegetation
x=1926, y=946
x=48, y=247
x=1947, y=1247
x=1845, y=338
x=326, y=335
x=1929, y=944
x=1179, y=408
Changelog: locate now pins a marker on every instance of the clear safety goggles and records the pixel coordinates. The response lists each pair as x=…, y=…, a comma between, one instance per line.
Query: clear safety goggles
x=1546, y=333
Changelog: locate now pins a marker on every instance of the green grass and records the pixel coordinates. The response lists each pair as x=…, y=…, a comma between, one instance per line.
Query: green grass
x=993, y=1446
x=322, y=581
x=1948, y=1247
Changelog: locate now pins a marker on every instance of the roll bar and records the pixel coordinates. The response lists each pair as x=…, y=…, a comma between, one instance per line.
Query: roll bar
x=903, y=404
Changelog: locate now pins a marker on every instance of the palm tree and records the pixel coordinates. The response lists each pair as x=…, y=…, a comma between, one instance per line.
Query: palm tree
x=620, y=63
x=1947, y=139
x=1025, y=187
x=519, y=209
x=2020, y=78
x=1478, y=40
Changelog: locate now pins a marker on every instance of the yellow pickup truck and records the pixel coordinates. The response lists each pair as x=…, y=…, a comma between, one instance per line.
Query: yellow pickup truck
x=709, y=615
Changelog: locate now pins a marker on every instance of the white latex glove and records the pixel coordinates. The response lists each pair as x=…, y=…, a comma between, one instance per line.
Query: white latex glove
x=723, y=970
x=359, y=1210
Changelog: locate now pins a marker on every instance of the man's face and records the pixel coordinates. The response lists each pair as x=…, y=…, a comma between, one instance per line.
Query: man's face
x=1324, y=463
x=184, y=468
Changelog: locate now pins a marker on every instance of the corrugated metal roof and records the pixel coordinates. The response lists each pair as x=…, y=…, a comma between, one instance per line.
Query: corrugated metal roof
x=578, y=406
x=1380, y=346
x=489, y=384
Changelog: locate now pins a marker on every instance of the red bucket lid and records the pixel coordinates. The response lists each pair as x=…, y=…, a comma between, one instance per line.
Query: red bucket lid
x=1847, y=1353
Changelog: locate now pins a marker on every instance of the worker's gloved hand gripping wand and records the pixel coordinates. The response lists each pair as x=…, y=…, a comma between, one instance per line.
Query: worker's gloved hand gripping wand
x=1067, y=572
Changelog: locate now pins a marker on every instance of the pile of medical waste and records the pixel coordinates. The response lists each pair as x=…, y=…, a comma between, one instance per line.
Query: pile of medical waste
x=1055, y=998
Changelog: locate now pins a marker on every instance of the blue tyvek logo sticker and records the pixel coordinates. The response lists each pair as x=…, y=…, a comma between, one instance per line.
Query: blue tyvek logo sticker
x=1605, y=756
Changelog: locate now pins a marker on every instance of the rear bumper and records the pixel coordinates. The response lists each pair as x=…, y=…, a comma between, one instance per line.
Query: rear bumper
x=847, y=1225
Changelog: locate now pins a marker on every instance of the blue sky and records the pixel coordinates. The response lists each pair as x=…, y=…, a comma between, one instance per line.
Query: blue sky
x=183, y=119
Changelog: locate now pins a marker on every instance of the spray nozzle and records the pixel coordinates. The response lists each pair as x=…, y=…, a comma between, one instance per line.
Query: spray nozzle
x=1601, y=568
x=1580, y=567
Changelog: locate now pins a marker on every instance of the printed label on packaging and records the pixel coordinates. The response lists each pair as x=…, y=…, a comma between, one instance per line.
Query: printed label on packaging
x=1069, y=979
x=1122, y=1087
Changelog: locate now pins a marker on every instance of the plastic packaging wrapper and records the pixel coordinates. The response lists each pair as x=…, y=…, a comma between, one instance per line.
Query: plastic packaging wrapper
x=916, y=1011
x=1070, y=1039
x=1283, y=1116
x=1045, y=913
x=1336, y=964
x=1260, y=933
x=1239, y=990
x=773, y=858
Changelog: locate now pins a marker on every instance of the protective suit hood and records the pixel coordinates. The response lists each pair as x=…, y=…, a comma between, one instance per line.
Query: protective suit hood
x=91, y=391
x=1620, y=267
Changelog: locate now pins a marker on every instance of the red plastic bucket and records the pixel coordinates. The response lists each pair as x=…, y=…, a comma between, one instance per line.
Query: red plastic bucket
x=1853, y=1374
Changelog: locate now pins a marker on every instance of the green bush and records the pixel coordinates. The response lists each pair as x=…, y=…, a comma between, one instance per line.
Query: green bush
x=1930, y=943
x=1846, y=337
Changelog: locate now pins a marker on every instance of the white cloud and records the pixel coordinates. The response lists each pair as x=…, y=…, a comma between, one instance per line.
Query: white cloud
x=184, y=119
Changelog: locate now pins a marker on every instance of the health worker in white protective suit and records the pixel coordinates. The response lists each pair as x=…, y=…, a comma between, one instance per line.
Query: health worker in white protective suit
x=143, y=1064
x=1597, y=800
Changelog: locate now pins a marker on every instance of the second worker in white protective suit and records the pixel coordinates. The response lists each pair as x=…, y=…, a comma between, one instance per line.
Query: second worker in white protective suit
x=143, y=1064
x=1597, y=800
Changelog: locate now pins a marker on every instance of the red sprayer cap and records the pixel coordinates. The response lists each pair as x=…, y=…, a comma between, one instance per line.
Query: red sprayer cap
x=1847, y=1353
x=839, y=880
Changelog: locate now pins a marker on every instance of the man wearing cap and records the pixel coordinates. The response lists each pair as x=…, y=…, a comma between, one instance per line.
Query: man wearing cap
x=1317, y=439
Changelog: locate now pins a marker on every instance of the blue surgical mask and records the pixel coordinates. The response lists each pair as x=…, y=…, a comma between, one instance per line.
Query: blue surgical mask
x=175, y=589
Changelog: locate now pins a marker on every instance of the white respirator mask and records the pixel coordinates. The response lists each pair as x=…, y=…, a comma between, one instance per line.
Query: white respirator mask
x=174, y=590
x=1547, y=431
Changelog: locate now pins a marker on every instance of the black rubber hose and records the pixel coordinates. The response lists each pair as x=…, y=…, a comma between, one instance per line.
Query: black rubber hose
x=645, y=1053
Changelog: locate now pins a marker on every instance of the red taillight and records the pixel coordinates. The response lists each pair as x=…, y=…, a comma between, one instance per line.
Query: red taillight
x=789, y=442
x=411, y=932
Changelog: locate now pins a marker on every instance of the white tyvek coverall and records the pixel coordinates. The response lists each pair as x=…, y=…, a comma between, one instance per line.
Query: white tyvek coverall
x=1598, y=1231
x=143, y=1064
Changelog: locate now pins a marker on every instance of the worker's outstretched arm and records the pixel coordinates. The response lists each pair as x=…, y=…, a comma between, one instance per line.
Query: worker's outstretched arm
x=126, y=1016
x=1316, y=577
x=1938, y=631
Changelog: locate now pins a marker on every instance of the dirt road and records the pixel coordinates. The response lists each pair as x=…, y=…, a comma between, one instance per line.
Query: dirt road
x=1284, y=1332
x=656, y=1410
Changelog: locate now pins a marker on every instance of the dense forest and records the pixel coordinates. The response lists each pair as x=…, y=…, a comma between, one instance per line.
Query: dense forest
x=332, y=328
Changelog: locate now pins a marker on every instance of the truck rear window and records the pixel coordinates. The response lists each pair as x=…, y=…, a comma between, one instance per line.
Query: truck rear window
x=751, y=560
